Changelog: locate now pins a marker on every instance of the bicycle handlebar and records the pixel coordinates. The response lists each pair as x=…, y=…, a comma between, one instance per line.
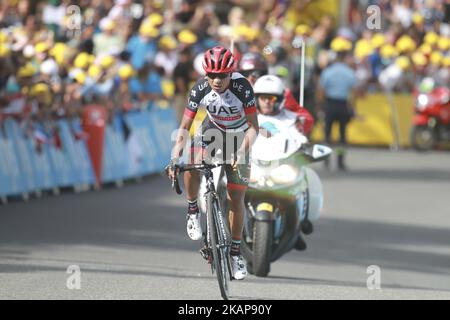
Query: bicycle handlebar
x=177, y=169
x=175, y=184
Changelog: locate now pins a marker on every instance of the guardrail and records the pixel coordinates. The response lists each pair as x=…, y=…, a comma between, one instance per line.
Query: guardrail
x=131, y=145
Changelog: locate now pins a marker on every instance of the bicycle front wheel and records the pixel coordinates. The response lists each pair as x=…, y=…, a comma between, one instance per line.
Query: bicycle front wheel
x=220, y=262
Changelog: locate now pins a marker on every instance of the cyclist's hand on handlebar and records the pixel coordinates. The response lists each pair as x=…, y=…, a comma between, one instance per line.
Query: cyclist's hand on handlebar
x=171, y=169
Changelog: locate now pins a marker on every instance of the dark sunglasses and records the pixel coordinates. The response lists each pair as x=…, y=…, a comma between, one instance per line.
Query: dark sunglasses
x=217, y=75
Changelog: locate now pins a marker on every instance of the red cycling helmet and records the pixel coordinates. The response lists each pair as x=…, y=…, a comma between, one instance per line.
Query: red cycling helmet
x=218, y=60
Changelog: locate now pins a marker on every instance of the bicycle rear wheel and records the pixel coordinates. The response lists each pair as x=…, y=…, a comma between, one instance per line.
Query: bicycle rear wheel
x=220, y=261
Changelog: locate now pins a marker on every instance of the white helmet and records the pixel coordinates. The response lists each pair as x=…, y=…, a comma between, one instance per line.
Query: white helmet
x=271, y=85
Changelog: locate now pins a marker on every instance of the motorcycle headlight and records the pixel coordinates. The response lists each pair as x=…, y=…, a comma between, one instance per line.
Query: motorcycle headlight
x=422, y=101
x=284, y=174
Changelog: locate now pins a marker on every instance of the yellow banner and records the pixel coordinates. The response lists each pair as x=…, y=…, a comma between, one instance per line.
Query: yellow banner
x=375, y=123
x=310, y=12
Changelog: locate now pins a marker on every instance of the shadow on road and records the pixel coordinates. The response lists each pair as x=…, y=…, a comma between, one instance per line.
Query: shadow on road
x=139, y=217
x=394, y=246
x=426, y=175
x=133, y=216
x=340, y=283
x=14, y=268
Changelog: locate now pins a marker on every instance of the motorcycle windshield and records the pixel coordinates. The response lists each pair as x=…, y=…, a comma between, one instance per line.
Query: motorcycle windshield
x=277, y=140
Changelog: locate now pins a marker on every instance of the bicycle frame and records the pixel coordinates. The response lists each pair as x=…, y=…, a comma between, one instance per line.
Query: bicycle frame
x=217, y=238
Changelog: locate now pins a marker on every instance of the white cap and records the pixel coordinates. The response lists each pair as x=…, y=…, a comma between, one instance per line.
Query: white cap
x=198, y=64
x=49, y=67
x=28, y=51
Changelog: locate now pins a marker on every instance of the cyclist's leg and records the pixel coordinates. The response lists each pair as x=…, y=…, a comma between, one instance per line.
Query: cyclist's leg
x=237, y=186
x=235, y=199
x=197, y=154
x=192, y=187
x=236, y=195
x=191, y=184
x=192, y=177
x=237, y=181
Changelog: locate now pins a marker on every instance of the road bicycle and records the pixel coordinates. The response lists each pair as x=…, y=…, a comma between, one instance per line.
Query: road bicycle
x=217, y=239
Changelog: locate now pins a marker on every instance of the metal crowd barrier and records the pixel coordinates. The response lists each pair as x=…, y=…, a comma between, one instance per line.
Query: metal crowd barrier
x=135, y=144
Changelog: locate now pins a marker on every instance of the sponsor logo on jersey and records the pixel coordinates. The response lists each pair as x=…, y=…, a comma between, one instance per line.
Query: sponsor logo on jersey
x=202, y=86
x=238, y=86
x=228, y=110
x=231, y=118
x=252, y=102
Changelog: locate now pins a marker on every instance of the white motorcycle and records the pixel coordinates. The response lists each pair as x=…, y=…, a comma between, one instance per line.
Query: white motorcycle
x=284, y=195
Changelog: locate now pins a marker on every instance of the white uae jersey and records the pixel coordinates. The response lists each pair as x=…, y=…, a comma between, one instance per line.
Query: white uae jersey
x=226, y=110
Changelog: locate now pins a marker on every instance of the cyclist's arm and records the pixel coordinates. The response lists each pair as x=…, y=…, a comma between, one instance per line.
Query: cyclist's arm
x=190, y=112
x=252, y=119
x=251, y=134
x=182, y=136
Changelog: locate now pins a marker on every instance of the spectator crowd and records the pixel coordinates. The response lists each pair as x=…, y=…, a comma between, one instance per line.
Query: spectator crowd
x=57, y=56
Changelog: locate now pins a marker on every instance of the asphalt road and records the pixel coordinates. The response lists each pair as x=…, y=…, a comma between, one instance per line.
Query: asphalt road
x=390, y=210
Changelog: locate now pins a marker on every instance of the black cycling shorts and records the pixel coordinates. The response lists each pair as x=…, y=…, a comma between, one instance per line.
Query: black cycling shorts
x=209, y=141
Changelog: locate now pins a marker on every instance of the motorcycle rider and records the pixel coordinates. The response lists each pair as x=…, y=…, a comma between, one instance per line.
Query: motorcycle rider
x=253, y=66
x=230, y=104
x=270, y=101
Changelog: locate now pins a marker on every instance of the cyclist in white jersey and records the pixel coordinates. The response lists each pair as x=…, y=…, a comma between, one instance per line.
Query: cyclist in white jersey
x=231, y=125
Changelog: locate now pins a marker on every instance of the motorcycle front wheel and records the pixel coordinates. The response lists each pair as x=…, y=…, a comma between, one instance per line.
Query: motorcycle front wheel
x=262, y=247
